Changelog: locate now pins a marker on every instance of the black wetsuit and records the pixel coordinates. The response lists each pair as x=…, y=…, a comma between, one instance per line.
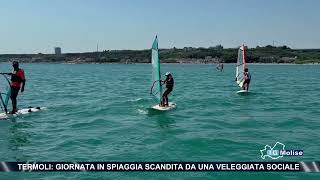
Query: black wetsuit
x=169, y=85
x=247, y=80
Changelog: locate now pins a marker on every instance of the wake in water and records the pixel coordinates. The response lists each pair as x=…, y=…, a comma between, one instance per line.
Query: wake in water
x=135, y=100
x=142, y=111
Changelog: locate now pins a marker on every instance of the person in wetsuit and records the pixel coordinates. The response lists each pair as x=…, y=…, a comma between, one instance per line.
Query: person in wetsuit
x=169, y=85
x=219, y=66
x=247, y=79
x=17, y=78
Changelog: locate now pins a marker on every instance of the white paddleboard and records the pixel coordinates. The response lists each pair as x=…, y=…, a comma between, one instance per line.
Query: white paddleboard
x=172, y=105
x=242, y=92
x=21, y=112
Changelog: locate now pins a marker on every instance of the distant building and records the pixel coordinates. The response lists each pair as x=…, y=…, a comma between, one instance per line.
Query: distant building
x=57, y=51
x=188, y=49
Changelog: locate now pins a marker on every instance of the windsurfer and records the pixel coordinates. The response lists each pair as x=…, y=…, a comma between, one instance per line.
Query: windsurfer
x=247, y=79
x=169, y=85
x=17, y=78
x=220, y=66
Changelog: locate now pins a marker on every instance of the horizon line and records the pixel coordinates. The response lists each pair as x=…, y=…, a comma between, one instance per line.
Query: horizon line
x=39, y=53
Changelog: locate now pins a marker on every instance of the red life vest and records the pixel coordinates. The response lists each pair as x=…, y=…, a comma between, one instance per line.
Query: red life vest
x=17, y=78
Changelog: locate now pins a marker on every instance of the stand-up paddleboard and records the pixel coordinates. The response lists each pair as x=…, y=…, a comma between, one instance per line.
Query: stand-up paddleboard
x=21, y=112
x=29, y=110
x=156, y=88
x=241, y=65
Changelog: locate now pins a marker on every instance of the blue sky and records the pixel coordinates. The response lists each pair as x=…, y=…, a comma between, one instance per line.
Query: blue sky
x=33, y=26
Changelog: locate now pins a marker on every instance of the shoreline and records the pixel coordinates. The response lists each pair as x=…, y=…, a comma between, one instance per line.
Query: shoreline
x=164, y=63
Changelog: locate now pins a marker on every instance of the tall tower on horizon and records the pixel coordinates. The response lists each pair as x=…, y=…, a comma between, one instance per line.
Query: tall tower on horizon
x=57, y=50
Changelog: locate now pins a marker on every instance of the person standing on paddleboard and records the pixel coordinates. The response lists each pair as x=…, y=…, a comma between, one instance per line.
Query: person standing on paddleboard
x=169, y=85
x=17, y=78
x=247, y=79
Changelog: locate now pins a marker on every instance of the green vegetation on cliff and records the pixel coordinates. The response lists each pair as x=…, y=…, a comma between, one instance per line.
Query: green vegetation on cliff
x=267, y=54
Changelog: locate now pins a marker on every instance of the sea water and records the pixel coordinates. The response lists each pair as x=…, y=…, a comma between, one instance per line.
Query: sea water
x=102, y=112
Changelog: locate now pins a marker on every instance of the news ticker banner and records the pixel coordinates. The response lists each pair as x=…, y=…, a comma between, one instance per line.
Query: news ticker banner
x=161, y=166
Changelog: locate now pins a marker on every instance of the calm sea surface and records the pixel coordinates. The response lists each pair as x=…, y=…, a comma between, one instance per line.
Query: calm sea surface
x=101, y=112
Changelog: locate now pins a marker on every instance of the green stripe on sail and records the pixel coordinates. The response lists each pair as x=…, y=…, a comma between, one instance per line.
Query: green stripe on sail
x=156, y=75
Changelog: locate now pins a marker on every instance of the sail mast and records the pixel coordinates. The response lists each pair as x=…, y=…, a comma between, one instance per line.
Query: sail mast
x=243, y=57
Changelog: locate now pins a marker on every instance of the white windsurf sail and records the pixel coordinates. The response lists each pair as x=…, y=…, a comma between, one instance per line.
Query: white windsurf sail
x=5, y=91
x=156, y=89
x=241, y=65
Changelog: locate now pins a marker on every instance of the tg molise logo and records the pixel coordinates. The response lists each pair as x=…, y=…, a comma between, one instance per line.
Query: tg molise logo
x=278, y=151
